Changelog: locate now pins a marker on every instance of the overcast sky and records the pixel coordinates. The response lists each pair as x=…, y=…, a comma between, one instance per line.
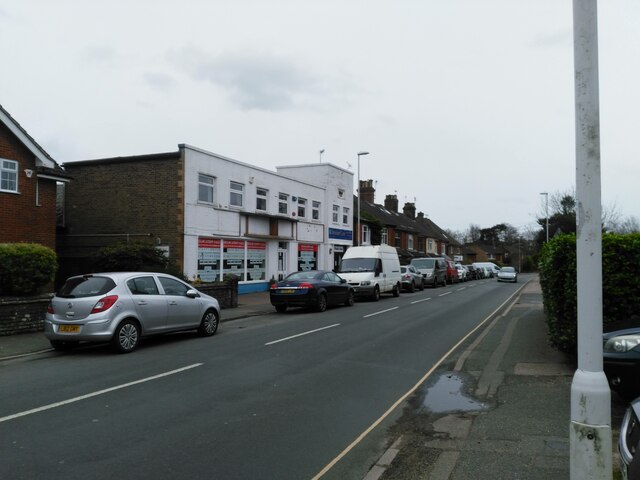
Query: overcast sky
x=466, y=106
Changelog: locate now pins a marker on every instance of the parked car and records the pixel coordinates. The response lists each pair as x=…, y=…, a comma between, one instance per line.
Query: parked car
x=433, y=270
x=629, y=442
x=462, y=272
x=411, y=278
x=315, y=289
x=621, y=361
x=372, y=270
x=473, y=273
x=491, y=267
x=123, y=307
x=508, y=274
x=452, y=272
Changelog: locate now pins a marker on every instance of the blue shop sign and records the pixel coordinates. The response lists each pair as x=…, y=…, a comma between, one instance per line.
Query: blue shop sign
x=340, y=234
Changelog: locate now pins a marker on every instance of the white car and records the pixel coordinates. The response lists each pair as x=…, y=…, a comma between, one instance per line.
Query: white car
x=508, y=274
x=462, y=272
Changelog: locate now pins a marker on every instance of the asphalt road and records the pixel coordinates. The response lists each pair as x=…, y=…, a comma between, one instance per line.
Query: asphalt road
x=272, y=397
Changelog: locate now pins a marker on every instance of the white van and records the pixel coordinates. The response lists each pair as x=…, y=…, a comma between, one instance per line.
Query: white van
x=372, y=270
x=493, y=268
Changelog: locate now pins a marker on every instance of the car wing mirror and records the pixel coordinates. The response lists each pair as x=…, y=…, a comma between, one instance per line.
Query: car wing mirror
x=192, y=293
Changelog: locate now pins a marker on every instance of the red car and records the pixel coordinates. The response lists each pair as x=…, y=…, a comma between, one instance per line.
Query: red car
x=452, y=272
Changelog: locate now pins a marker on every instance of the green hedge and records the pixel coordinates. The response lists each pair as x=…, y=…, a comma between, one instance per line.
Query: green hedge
x=130, y=257
x=25, y=267
x=620, y=282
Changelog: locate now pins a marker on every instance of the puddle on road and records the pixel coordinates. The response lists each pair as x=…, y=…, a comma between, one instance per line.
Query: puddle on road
x=447, y=394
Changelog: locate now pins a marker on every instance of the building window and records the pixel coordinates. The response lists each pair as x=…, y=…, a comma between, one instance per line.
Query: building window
x=444, y=249
x=429, y=245
x=384, y=236
x=345, y=215
x=9, y=176
x=302, y=207
x=365, y=235
x=340, y=193
x=236, y=197
x=410, y=242
x=336, y=213
x=261, y=198
x=283, y=203
x=206, y=185
x=398, y=240
x=315, y=210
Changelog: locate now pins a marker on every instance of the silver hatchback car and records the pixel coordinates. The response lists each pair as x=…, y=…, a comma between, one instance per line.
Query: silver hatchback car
x=123, y=307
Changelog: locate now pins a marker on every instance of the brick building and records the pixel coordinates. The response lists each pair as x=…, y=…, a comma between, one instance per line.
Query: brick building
x=28, y=182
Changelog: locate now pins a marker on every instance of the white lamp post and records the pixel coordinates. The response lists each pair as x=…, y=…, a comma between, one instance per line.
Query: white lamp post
x=359, y=227
x=546, y=208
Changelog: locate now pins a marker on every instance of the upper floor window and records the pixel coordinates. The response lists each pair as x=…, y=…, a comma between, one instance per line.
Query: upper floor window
x=283, y=203
x=429, y=245
x=8, y=176
x=206, y=185
x=261, y=198
x=384, y=236
x=302, y=207
x=398, y=240
x=341, y=193
x=365, y=235
x=315, y=210
x=236, y=198
x=410, y=242
x=345, y=215
x=336, y=213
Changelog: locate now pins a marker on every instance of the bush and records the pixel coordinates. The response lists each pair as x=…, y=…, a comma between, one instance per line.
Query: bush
x=620, y=282
x=131, y=257
x=26, y=267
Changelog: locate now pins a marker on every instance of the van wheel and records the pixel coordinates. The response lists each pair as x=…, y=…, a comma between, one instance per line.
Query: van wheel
x=376, y=294
x=396, y=290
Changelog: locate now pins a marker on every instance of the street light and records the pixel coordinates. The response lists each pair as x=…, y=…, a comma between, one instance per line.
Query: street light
x=359, y=227
x=546, y=195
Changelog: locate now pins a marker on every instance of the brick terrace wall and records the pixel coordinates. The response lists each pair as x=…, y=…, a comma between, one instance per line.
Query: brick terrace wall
x=115, y=200
x=21, y=219
x=22, y=314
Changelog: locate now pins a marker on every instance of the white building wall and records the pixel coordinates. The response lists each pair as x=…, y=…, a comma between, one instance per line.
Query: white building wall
x=221, y=224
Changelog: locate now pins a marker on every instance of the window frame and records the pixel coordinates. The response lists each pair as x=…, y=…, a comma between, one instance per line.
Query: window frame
x=5, y=170
x=315, y=210
x=384, y=236
x=211, y=186
x=235, y=191
x=262, y=197
x=336, y=213
x=366, y=234
x=345, y=215
x=302, y=207
x=283, y=200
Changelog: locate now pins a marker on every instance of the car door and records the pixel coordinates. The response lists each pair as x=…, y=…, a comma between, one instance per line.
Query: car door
x=336, y=291
x=151, y=307
x=182, y=311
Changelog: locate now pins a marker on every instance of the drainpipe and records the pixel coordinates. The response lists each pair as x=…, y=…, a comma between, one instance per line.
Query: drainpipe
x=590, y=428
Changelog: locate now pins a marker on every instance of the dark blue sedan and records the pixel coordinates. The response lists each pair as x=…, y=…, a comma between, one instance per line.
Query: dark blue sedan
x=315, y=289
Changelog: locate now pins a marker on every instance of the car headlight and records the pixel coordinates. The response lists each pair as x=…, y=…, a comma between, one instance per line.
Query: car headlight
x=622, y=344
x=429, y=275
x=366, y=283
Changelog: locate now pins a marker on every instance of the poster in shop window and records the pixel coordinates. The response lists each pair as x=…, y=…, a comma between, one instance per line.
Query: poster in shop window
x=256, y=261
x=233, y=258
x=307, y=257
x=208, y=259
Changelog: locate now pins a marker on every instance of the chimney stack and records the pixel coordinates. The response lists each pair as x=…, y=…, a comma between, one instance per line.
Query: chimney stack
x=391, y=203
x=367, y=192
x=409, y=210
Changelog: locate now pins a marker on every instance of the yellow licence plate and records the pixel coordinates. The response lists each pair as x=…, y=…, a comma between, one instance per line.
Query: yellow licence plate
x=69, y=328
x=287, y=290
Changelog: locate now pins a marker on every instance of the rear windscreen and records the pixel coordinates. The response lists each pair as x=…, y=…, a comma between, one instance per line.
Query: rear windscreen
x=424, y=263
x=78, y=287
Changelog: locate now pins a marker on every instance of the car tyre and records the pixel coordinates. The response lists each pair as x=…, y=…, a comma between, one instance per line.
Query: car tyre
x=421, y=285
x=321, y=303
x=350, y=299
x=126, y=337
x=63, y=345
x=209, y=324
x=396, y=290
x=412, y=288
x=281, y=308
x=376, y=294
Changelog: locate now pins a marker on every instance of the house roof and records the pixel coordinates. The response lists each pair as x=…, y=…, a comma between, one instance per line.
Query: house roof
x=43, y=158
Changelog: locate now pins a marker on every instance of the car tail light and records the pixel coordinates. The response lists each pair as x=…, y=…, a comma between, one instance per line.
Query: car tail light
x=104, y=304
x=50, y=308
x=306, y=285
x=273, y=286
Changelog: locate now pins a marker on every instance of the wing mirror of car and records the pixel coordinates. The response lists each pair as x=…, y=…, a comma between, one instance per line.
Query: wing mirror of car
x=343, y=280
x=192, y=293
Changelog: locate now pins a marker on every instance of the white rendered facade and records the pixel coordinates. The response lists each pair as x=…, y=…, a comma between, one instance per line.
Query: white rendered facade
x=259, y=224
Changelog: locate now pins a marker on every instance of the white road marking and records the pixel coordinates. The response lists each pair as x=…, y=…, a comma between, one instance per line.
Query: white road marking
x=460, y=289
x=423, y=300
x=378, y=313
x=95, y=394
x=302, y=334
x=443, y=294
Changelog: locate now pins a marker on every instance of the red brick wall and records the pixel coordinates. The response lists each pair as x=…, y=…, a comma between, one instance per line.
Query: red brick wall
x=21, y=220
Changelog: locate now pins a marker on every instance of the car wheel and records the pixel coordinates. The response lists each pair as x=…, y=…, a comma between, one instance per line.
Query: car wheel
x=421, y=285
x=321, y=303
x=63, y=345
x=396, y=290
x=350, y=299
x=412, y=288
x=126, y=337
x=376, y=294
x=208, y=324
x=281, y=308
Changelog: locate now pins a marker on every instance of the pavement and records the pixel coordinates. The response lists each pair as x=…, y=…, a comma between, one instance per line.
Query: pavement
x=497, y=408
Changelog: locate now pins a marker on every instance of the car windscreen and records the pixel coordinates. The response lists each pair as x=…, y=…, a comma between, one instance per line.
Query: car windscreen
x=424, y=263
x=357, y=265
x=79, y=287
x=508, y=269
